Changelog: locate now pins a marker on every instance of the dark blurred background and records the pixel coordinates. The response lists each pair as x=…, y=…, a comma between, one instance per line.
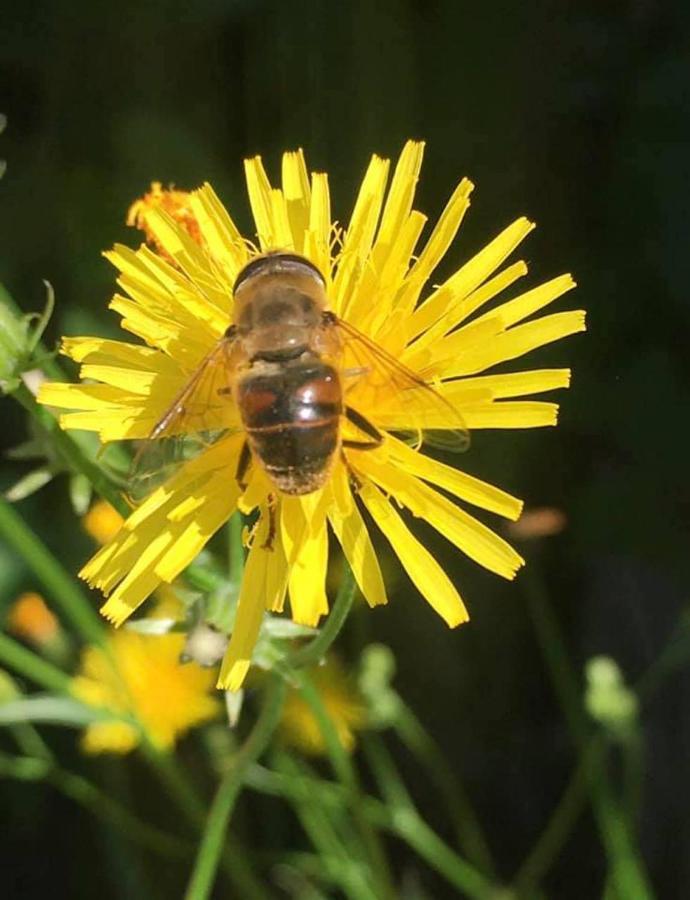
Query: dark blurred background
x=575, y=114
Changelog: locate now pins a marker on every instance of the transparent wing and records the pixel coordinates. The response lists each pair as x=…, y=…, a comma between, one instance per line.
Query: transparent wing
x=201, y=413
x=400, y=399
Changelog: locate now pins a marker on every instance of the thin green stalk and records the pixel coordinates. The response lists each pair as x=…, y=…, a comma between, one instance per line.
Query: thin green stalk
x=166, y=768
x=39, y=350
x=627, y=869
x=633, y=778
x=400, y=816
x=347, y=775
x=70, y=453
x=29, y=664
x=328, y=828
x=552, y=839
x=675, y=655
x=100, y=804
x=61, y=587
x=210, y=848
x=315, y=650
x=175, y=782
x=400, y=820
x=470, y=834
x=28, y=738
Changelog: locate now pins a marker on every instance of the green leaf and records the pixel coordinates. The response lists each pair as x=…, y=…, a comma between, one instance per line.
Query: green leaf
x=51, y=709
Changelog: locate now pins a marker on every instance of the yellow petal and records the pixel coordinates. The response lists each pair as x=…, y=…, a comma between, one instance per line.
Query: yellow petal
x=317, y=246
x=425, y=573
x=353, y=536
x=220, y=233
x=512, y=384
x=360, y=235
x=297, y=196
x=307, y=571
x=462, y=529
x=518, y=309
x=511, y=414
x=460, y=484
x=445, y=301
x=259, y=190
x=435, y=248
x=519, y=340
x=282, y=232
x=401, y=194
x=78, y=396
x=167, y=532
x=263, y=585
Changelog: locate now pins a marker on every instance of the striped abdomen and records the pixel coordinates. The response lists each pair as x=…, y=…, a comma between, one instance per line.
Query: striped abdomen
x=291, y=413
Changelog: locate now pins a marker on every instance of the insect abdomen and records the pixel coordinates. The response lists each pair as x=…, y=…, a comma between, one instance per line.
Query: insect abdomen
x=291, y=414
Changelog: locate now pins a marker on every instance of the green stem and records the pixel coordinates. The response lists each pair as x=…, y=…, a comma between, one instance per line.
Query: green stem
x=38, y=350
x=469, y=831
x=327, y=826
x=31, y=666
x=63, y=590
x=633, y=778
x=100, y=804
x=553, y=837
x=233, y=862
x=675, y=655
x=69, y=452
x=29, y=740
x=400, y=816
x=627, y=869
x=166, y=769
x=401, y=821
x=347, y=775
x=210, y=848
x=316, y=649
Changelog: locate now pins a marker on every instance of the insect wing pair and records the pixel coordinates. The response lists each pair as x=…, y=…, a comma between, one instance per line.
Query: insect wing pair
x=204, y=410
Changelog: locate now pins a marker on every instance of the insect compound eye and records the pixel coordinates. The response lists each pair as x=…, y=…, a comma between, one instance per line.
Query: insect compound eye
x=276, y=263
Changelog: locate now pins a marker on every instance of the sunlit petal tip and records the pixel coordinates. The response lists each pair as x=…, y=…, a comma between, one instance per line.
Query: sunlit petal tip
x=232, y=677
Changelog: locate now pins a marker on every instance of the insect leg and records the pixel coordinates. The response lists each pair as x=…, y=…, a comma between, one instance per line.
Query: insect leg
x=270, y=537
x=355, y=483
x=364, y=425
x=243, y=464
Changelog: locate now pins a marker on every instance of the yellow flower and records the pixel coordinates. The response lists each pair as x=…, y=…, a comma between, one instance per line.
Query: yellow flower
x=376, y=279
x=30, y=618
x=144, y=680
x=340, y=700
x=102, y=522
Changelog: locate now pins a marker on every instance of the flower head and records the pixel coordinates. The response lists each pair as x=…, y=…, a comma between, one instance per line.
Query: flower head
x=102, y=522
x=180, y=305
x=175, y=203
x=341, y=702
x=141, y=677
x=30, y=618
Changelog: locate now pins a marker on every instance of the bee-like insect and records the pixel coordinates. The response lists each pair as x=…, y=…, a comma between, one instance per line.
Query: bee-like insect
x=292, y=369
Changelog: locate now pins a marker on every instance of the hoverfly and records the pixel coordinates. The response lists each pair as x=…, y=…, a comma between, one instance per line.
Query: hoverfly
x=292, y=369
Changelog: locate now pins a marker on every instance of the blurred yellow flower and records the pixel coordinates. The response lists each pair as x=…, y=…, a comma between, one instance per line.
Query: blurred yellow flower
x=339, y=696
x=102, y=522
x=144, y=680
x=30, y=618
x=179, y=302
